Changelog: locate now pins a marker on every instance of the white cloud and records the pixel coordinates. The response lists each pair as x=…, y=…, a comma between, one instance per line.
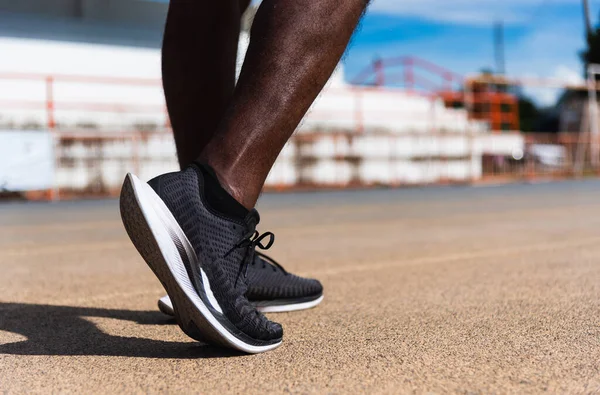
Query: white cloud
x=473, y=12
x=569, y=75
x=550, y=51
x=547, y=96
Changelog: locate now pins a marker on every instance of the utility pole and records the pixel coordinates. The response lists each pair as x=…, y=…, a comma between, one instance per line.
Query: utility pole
x=499, y=47
x=587, y=19
x=593, y=71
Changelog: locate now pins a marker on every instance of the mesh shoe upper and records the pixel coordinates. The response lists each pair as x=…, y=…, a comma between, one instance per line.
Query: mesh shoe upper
x=267, y=281
x=216, y=239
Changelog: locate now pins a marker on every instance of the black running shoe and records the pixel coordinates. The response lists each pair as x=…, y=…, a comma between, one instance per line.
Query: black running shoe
x=199, y=242
x=271, y=289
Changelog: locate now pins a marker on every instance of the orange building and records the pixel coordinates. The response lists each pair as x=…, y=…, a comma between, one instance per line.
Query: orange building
x=487, y=102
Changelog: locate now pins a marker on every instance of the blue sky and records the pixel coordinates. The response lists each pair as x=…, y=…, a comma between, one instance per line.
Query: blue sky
x=543, y=37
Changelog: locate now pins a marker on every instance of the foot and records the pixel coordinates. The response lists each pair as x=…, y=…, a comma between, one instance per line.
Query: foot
x=199, y=242
x=271, y=289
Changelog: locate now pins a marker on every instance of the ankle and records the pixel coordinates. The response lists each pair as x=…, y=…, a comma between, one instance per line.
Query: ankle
x=228, y=183
x=226, y=177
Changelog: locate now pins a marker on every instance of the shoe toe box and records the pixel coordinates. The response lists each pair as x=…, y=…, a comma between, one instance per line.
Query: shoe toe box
x=275, y=330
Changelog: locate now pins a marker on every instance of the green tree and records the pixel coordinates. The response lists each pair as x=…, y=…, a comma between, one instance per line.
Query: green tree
x=529, y=115
x=591, y=54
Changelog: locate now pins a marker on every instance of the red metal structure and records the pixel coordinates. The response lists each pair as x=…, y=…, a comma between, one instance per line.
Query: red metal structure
x=486, y=102
x=414, y=74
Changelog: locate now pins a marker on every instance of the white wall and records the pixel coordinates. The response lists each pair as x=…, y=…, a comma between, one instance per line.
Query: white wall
x=26, y=160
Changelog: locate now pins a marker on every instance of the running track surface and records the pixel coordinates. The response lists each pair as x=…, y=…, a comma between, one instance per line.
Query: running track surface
x=427, y=290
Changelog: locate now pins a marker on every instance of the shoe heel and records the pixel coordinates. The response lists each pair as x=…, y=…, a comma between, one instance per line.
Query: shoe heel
x=135, y=224
x=141, y=236
x=137, y=227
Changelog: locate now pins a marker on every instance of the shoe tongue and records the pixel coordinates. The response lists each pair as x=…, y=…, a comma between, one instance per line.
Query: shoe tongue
x=252, y=219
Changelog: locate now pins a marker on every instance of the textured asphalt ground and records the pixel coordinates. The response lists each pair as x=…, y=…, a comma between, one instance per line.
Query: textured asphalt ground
x=470, y=290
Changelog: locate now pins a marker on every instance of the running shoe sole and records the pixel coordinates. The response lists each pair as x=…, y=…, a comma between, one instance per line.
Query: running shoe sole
x=165, y=305
x=164, y=246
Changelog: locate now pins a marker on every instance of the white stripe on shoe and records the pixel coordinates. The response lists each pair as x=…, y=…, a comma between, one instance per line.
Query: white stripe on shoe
x=165, y=305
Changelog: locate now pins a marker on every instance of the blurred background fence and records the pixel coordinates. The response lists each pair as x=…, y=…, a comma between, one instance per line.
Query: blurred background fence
x=354, y=136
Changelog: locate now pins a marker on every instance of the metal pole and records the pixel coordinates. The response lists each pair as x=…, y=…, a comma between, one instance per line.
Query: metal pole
x=379, y=73
x=469, y=102
x=359, y=112
x=586, y=18
x=50, y=103
x=409, y=74
x=499, y=47
x=593, y=70
x=51, y=125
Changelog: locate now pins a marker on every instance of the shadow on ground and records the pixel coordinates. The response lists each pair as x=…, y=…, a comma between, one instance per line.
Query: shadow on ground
x=62, y=330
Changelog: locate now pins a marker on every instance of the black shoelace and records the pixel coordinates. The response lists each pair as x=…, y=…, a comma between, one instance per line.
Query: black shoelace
x=265, y=259
x=250, y=241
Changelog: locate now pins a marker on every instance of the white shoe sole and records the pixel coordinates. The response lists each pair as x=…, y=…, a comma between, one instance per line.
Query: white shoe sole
x=165, y=305
x=161, y=242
